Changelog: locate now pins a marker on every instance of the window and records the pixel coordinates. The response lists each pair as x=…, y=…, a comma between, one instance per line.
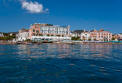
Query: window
x=37, y=31
x=33, y=30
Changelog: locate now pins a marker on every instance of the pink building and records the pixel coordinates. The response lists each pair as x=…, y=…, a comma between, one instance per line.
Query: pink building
x=34, y=30
x=100, y=35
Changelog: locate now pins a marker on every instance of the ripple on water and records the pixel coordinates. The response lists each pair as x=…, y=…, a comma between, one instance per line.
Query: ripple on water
x=60, y=63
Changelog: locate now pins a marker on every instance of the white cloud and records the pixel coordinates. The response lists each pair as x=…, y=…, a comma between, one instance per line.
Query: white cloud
x=33, y=7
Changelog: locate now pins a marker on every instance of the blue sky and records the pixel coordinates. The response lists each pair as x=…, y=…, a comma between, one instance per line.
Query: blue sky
x=80, y=14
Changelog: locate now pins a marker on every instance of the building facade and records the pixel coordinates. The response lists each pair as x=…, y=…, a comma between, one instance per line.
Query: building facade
x=48, y=31
x=1, y=34
x=38, y=32
x=23, y=35
x=85, y=36
x=120, y=37
x=100, y=35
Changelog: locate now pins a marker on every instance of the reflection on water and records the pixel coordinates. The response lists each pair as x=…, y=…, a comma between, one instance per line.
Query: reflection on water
x=60, y=63
x=67, y=51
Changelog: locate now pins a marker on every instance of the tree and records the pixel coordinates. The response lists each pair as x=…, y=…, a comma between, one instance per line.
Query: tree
x=8, y=37
x=75, y=38
x=113, y=38
x=28, y=40
x=48, y=34
x=89, y=39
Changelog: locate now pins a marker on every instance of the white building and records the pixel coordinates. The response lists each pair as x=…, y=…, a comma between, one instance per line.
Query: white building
x=75, y=35
x=120, y=36
x=85, y=36
x=23, y=35
x=1, y=35
x=49, y=32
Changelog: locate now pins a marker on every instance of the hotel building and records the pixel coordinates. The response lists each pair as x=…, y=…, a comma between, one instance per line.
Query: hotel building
x=100, y=35
x=39, y=32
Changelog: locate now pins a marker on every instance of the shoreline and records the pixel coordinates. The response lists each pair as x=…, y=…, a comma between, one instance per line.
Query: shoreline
x=38, y=43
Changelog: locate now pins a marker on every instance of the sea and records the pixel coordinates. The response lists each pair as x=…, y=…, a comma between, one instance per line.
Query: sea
x=61, y=63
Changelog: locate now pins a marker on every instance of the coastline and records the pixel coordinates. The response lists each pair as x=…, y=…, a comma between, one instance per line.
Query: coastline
x=73, y=42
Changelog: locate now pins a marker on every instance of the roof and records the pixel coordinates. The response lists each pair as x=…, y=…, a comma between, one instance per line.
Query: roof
x=39, y=24
x=23, y=30
x=101, y=30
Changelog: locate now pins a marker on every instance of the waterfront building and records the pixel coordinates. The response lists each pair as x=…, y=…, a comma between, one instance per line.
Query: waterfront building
x=115, y=37
x=100, y=35
x=39, y=32
x=23, y=35
x=120, y=37
x=75, y=34
x=1, y=34
x=85, y=36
